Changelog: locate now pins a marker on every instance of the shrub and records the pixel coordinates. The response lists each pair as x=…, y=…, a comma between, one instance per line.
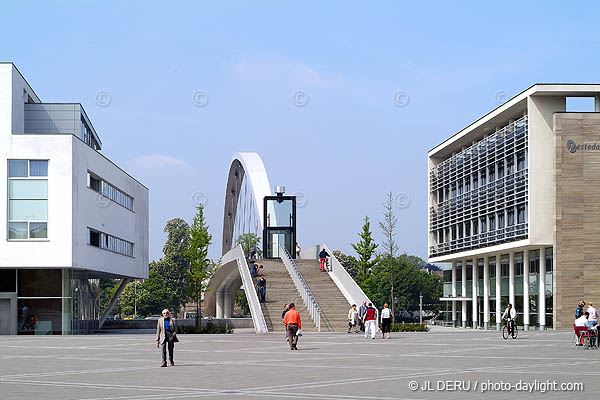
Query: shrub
x=409, y=328
x=208, y=329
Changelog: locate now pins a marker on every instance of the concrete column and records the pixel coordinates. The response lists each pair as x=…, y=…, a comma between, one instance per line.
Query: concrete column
x=526, y=289
x=454, y=293
x=227, y=305
x=486, y=294
x=597, y=103
x=498, y=294
x=464, y=293
x=542, y=290
x=219, y=305
x=475, y=279
x=511, y=278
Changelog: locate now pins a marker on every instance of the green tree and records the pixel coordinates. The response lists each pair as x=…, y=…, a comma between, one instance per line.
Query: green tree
x=151, y=296
x=174, y=265
x=197, y=255
x=108, y=287
x=348, y=262
x=249, y=240
x=365, y=248
x=388, y=227
x=242, y=302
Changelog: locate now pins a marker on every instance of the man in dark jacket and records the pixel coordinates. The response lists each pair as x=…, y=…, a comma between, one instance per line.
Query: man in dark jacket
x=322, y=259
x=579, y=309
x=261, y=285
x=361, y=315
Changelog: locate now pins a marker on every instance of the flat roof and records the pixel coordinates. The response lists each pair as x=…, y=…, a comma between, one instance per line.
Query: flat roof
x=515, y=106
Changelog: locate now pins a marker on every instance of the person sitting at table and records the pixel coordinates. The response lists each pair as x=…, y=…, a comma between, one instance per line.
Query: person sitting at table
x=583, y=320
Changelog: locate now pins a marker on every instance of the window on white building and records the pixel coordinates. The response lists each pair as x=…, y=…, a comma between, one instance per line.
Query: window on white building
x=27, y=199
x=107, y=190
x=109, y=242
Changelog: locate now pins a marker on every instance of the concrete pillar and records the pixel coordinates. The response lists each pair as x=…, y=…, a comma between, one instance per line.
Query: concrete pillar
x=454, y=293
x=219, y=305
x=542, y=290
x=464, y=293
x=227, y=305
x=475, y=270
x=498, y=294
x=597, y=103
x=486, y=294
x=526, y=289
x=511, y=278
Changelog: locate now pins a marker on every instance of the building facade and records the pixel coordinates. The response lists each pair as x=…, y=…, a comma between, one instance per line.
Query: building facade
x=514, y=208
x=71, y=216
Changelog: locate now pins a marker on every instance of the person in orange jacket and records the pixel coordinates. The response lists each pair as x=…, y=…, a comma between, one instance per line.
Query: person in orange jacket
x=292, y=325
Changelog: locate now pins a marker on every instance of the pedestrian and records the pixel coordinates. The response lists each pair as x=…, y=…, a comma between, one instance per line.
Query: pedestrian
x=323, y=259
x=259, y=269
x=261, y=285
x=298, y=249
x=286, y=308
x=253, y=268
x=166, y=336
x=579, y=309
x=292, y=325
x=352, y=319
x=386, y=321
x=370, y=320
x=593, y=320
x=253, y=253
x=361, y=315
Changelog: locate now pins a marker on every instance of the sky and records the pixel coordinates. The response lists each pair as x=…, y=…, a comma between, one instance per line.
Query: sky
x=342, y=100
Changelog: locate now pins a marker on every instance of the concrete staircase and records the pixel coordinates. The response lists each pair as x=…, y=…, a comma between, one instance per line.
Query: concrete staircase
x=334, y=316
x=281, y=290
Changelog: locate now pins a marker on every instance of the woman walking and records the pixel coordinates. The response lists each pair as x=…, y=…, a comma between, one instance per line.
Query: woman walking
x=386, y=321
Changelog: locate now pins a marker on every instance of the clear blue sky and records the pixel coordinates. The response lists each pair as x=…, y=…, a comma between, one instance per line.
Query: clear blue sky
x=348, y=146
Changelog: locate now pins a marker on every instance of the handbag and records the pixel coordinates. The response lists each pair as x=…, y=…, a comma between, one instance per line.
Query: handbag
x=299, y=332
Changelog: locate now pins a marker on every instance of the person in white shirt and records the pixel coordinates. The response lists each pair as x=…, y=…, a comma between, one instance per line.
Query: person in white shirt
x=509, y=317
x=583, y=320
x=353, y=319
x=593, y=319
x=386, y=321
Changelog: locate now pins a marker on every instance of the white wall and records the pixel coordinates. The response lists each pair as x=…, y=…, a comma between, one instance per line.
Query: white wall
x=56, y=251
x=98, y=212
x=540, y=165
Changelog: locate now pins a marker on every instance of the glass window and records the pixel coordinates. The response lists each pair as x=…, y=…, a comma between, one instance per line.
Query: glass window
x=17, y=168
x=475, y=181
x=521, y=218
x=28, y=210
x=38, y=230
x=500, y=220
x=28, y=189
x=521, y=162
x=549, y=259
x=475, y=227
x=500, y=169
x=492, y=220
x=483, y=225
x=17, y=230
x=510, y=214
x=40, y=283
x=39, y=316
x=510, y=164
x=107, y=190
x=38, y=168
x=8, y=280
x=279, y=213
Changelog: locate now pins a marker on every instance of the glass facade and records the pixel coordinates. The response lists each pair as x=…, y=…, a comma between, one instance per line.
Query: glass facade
x=479, y=196
x=27, y=199
x=533, y=264
x=53, y=301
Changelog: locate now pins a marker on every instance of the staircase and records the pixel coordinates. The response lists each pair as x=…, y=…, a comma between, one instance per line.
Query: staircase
x=334, y=316
x=281, y=290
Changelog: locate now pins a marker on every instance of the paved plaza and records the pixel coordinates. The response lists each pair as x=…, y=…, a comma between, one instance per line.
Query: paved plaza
x=454, y=363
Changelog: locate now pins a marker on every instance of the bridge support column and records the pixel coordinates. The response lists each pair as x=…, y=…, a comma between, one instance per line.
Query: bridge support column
x=227, y=303
x=220, y=304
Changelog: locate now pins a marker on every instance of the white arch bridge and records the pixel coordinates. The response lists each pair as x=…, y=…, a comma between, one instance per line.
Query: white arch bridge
x=288, y=280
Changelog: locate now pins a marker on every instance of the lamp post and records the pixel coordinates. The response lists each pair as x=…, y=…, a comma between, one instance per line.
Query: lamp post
x=135, y=299
x=420, y=307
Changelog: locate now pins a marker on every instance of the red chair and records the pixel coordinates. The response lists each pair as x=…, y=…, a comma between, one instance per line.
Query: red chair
x=582, y=335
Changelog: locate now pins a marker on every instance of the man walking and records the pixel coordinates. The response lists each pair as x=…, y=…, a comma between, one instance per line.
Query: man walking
x=361, y=315
x=352, y=319
x=292, y=325
x=323, y=259
x=370, y=321
x=261, y=285
x=166, y=336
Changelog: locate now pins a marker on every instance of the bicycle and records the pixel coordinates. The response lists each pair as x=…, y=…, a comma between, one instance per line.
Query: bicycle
x=505, y=330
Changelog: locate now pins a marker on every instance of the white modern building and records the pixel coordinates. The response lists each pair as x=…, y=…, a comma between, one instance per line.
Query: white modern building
x=71, y=216
x=513, y=207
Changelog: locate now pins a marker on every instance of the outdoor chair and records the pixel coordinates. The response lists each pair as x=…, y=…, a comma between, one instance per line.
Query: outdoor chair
x=582, y=336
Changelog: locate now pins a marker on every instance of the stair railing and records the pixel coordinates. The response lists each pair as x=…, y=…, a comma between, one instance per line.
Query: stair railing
x=308, y=297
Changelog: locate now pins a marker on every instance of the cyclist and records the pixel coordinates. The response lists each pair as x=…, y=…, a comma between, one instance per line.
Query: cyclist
x=509, y=316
